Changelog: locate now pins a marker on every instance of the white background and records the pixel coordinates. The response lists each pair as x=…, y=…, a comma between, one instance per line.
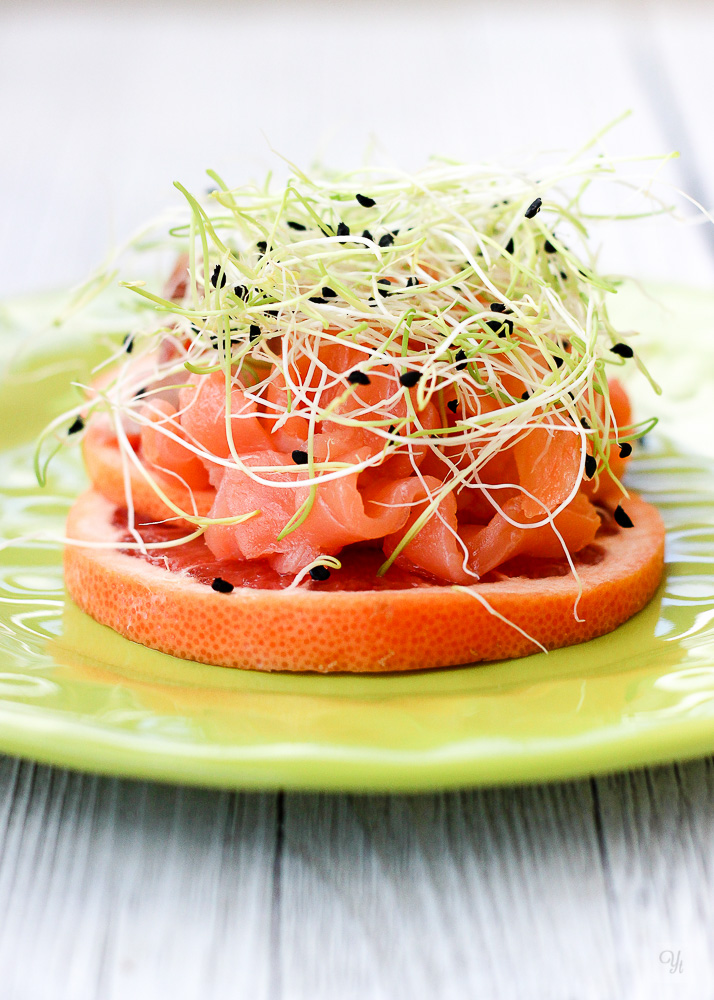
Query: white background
x=103, y=107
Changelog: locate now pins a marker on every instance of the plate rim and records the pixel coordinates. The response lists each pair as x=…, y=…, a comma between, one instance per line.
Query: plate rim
x=82, y=746
x=54, y=736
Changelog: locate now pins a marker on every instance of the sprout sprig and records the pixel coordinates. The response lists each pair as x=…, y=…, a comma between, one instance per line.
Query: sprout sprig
x=468, y=283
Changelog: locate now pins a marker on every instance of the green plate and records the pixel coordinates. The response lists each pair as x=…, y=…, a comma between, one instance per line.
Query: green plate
x=74, y=693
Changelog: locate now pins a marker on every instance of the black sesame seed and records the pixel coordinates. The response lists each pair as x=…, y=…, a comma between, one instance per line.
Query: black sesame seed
x=509, y=246
x=241, y=292
x=318, y=299
x=411, y=282
x=563, y=275
x=534, y=208
x=500, y=326
x=549, y=248
x=624, y=350
x=271, y=312
x=409, y=379
x=329, y=293
x=262, y=246
x=386, y=240
x=343, y=229
x=218, y=271
x=391, y=428
x=364, y=201
x=299, y=457
x=558, y=362
x=584, y=423
x=367, y=235
x=384, y=291
x=453, y=405
x=254, y=333
x=320, y=573
x=461, y=361
x=129, y=343
x=221, y=586
x=622, y=518
x=498, y=307
x=76, y=426
x=625, y=449
x=358, y=378
x=526, y=395
x=298, y=226
x=590, y=466
x=141, y=392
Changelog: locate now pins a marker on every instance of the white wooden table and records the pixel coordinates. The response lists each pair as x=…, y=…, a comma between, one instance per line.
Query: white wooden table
x=114, y=889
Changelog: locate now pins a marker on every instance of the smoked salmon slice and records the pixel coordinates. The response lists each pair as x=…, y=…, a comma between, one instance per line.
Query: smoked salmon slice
x=339, y=515
x=164, y=452
x=203, y=416
x=501, y=539
x=471, y=529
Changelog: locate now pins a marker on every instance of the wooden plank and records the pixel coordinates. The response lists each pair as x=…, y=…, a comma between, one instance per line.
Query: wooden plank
x=551, y=892
x=465, y=895
x=114, y=889
x=119, y=889
x=658, y=851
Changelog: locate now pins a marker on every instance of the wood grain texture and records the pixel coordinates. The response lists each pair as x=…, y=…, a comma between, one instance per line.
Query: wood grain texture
x=114, y=889
x=569, y=890
x=119, y=889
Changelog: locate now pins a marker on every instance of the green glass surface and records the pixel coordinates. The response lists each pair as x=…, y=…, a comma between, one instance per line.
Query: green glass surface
x=74, y=693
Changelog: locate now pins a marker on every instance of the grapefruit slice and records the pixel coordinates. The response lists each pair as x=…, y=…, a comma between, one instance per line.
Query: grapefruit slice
x=353, y=622
x=102, y=460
